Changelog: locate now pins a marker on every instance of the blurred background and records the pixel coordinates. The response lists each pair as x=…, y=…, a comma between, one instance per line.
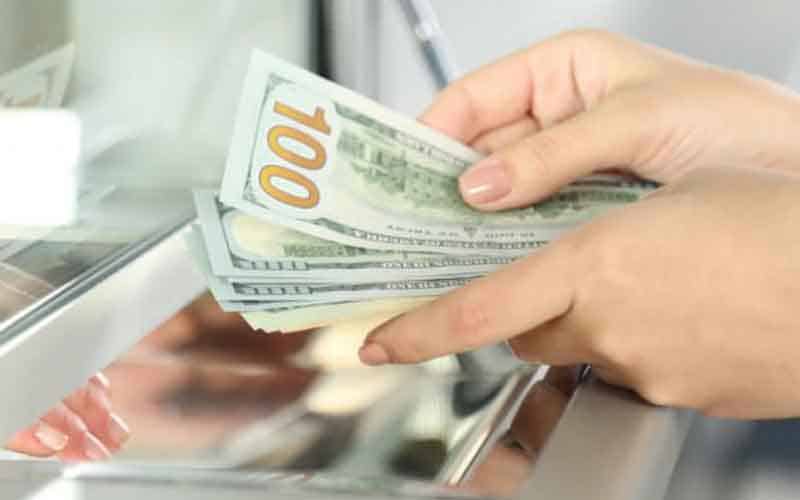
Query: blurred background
x=759, y=37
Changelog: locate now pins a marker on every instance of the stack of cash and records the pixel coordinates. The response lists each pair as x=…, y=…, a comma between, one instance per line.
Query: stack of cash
x=333, y=207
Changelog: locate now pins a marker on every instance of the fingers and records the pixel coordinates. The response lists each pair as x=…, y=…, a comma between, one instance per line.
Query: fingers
x=93, y=404
x=81, y=428
x=502, y=137
x=540, y=164
x=550, y=82
x=39, y=440
x=515, y=299
x=81, y=444
x=493, y=96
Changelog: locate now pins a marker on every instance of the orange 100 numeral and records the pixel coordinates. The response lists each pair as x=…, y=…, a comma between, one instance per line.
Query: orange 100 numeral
x=317, y=160
x=270, y=172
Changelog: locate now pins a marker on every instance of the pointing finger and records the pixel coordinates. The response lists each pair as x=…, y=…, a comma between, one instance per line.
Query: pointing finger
x=515, y=299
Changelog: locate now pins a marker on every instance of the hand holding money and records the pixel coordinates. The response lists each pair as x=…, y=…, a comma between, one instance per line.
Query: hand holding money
x=334, y=207
x=689, y=296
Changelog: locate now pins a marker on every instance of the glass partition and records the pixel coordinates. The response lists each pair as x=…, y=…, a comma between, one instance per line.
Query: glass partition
x=110, y=112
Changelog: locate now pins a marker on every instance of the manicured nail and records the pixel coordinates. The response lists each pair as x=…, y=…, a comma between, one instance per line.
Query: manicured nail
x=101, y=379
x=94, y=449
x=118, y=430
x=373, y=354
x=51, y=437
x=485, y=182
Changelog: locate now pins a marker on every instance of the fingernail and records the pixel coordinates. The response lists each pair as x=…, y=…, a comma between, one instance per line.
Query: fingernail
x=51, y=437
x=70, y=417
x=99, y=395
x=101, y=379
x=373, y=354
x=94, y=449
x=485, y=182
x=118, y=430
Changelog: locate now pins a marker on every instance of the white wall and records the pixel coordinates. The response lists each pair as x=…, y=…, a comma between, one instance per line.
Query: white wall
x=761, y=37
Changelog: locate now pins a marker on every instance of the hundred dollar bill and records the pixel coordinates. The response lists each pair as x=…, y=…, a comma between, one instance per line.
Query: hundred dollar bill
x=277, y=292
x=337, y=292
x=244, y=248
x=220, y=289
x=315, y=157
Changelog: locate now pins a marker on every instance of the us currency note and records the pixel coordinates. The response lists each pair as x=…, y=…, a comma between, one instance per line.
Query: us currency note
x=337, y=292
x=247, y=249
x=277, y=292
x=312, y=156
x=221, y=290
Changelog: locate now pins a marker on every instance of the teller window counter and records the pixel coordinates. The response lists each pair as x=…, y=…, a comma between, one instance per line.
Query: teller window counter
x=206, y=391
x=214, y=405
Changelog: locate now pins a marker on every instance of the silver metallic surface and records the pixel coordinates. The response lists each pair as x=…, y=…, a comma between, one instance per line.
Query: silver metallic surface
x=65, y=347
x=738, y=460
x=493, y=425
x=609, y=444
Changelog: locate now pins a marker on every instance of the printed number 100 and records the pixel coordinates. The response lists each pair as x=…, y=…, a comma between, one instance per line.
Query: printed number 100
x=290, y=172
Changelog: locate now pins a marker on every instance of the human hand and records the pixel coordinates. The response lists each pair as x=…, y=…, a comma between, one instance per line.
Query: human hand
x=82, y=427
x=689, y=297
x=589, y=101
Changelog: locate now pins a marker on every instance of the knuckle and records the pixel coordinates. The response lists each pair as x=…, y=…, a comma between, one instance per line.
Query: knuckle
x=537, y=155
x=605, y=262
x=468, y=320
x=460, y=93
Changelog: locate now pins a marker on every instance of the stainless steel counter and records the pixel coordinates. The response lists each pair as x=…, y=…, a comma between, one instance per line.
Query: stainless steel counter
x=734, y=460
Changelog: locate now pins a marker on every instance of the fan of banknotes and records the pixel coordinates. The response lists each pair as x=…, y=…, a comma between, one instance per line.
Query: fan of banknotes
x=333, y=207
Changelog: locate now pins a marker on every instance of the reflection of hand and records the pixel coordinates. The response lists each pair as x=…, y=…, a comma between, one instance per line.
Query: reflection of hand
x=678, y=296
x=673, y=296
x=507, y=467
x=201, y=374
x=542, y=408
x=83, y=427
x=203, y=330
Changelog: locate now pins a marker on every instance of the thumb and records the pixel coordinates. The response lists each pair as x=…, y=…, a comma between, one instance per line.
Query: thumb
x=542, y=163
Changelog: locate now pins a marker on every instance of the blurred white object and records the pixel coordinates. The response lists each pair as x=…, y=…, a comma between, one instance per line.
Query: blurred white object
x=40, y=83
x=39, y=152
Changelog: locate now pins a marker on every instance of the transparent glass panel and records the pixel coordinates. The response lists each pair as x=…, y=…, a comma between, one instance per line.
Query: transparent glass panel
x=109, y=113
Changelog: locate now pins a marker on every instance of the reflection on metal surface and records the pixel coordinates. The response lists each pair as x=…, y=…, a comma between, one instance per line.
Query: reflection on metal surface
x=204, y=392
